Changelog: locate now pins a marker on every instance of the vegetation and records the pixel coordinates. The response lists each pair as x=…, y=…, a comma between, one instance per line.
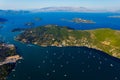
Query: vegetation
x=6, y=50
x=5, y=70
x=104, y=39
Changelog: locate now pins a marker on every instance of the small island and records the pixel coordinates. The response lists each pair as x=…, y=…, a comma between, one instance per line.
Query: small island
x=8, y=58
x=114, y=16
x=2, y=20
x=1, y=27
x=79, y=20
x=18, y=29
x=37, y=19
x=104, y=39
x=29, y=24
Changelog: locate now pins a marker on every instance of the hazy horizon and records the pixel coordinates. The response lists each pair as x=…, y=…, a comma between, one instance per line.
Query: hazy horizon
x=37, y=4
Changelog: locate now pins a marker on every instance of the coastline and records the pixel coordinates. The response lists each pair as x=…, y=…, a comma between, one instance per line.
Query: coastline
x=8, y=59
x=103, y=39
x=103, y=53
x=11, y=59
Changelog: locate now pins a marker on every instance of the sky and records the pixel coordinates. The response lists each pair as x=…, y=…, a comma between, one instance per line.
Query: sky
x=36, y=4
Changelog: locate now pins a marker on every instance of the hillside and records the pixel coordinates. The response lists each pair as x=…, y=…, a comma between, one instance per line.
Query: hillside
x=7, y=59
x=104, y=39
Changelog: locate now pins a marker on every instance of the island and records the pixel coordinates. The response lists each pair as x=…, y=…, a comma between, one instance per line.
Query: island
x=79, y=20
x=103, y=39
x=2, y=20
x=29, y=24
x=1, y=27
x=37, y=19
x=8, y=58
x=114, y=16
x=18, y=29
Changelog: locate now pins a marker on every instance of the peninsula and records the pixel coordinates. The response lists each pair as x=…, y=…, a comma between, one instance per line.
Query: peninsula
x=104, y=39
x=8, y=58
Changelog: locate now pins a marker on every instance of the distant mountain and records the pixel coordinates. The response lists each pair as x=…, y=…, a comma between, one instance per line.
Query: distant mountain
x=13, y=11
x=58, y=9
x=118, y=11
x=63, y=9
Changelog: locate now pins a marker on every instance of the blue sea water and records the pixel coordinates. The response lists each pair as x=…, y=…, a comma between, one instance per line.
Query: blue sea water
x=67, y=63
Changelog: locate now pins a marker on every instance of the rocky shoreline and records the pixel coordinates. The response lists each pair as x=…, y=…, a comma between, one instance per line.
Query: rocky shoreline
x=8, y=59
x=105, y=39
x=11, y=59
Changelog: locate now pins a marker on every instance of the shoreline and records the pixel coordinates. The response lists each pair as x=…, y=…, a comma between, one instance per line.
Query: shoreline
x=11, y=59
x=52, y=35
x=103, y=53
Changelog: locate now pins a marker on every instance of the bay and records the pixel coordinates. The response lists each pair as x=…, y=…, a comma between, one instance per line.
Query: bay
x=67, y=63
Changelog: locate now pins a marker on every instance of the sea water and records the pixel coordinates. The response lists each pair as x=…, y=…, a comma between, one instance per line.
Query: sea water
x=67, y=63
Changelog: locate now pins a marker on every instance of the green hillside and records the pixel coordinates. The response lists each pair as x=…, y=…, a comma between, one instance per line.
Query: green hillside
x=104, y=39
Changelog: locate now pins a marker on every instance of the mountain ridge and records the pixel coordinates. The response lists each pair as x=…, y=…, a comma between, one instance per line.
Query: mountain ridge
x=63, y=9
x=60, y=9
